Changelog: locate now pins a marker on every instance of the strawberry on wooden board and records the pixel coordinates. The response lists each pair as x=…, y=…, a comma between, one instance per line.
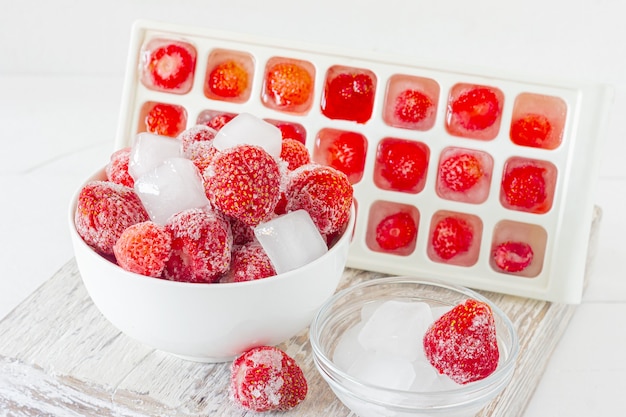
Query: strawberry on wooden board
x=462, y=343
x=266, y=379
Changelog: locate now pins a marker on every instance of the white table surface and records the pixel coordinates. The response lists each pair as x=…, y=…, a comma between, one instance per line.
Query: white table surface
x=61, y=76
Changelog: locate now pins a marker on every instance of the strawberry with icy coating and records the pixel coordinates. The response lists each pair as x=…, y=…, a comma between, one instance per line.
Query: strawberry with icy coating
x=103, y=211
x=165, y=120
x=267, y=379
x=413, y=106
x=525, y=186
x=513, y=256
x=462, y=343
x=476, y=109
x=195, y=134
x=451, y=237
x=396, y=231
x=250, y=262
x=117, y=168
x=324, y=192
x=171, y=66
x=288, y=85
x=228, y=79
x=460, y=172
x=143, y=248
x=294, y=153
x=243, y=182
x=403, y=164
x=201, y=246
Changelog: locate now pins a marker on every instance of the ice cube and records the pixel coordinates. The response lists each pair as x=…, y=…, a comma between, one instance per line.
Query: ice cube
x=396, y=328
x=383, y=370
x=149, y=151
x=348, y=348
x=250, y=130
x=291, y=240
x=173, y=186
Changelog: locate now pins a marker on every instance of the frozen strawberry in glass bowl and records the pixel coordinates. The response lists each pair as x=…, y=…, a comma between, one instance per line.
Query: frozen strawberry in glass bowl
x=406, y=346
x=190, y=258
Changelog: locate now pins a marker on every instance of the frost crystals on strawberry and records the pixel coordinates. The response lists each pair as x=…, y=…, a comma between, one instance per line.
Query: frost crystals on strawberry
x=462, y=343
x=267, y=379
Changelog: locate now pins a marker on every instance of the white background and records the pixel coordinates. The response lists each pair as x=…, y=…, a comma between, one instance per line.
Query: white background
x=61, y=73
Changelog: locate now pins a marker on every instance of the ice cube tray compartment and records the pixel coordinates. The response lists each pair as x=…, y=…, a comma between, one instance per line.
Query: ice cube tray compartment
x=556, y=231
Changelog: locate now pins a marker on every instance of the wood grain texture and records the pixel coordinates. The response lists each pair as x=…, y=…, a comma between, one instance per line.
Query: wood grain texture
x=60, y=357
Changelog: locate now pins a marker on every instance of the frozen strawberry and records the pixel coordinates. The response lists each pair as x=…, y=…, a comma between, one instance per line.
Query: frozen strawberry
x=347, y=154
x=201, y=246
x=294, y=153
x=525, y=186
x=462, y=343
x=103, y=211
x=197, y=133
x=267, y=379
x=250, y=262
x=402, y=164
x=201, y=153
x=228, y=79
x=452, y=236
x=460, y=172
x=216, y=121
x=476, y=109
x=530, y=130
x=413, y=106
x=288, y=85
x=324, y=192
x=242, y=233
x=117, y=168
x=290, y=130
x=513, y=256
x=349, y=95
x=165, y=119
x=243, y=182
x=171, y=65
x=143, y=248
x=396, y=231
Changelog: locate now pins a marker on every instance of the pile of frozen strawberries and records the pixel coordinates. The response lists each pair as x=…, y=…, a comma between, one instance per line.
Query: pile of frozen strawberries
x=186, y=208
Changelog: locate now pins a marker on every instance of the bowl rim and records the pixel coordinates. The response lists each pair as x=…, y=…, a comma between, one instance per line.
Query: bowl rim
x=100, y=175
x=465, y=394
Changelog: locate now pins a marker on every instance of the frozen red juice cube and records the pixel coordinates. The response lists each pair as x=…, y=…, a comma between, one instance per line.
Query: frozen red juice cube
x=401, y=165
x=290, y=130
x=528, y=185
x=349, y=93
x=288, y=85
x=454, y=238
x=411, y=102
x=168, y=65
x=474, y=111
x=229, y=76
x=162, y=119
x=392, y=228
x=464, y=175
x=518, y=248
x=538, y=121
x=342, y=150
x=215, y=119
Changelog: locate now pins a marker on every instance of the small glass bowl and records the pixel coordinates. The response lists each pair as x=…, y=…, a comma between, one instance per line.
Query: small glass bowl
x=343, y=311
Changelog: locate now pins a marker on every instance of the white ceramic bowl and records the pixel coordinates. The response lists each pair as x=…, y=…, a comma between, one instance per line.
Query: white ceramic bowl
x=343, y=311
x=208, y=322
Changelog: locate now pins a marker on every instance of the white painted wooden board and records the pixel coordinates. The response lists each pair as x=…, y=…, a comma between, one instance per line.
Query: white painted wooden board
x=60, y=357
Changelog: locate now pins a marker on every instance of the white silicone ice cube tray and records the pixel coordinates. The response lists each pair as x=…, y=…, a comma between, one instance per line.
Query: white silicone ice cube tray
x=563, y=229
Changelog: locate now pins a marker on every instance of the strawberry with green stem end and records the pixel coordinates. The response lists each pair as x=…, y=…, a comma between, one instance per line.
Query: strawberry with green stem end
x=462, y=343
